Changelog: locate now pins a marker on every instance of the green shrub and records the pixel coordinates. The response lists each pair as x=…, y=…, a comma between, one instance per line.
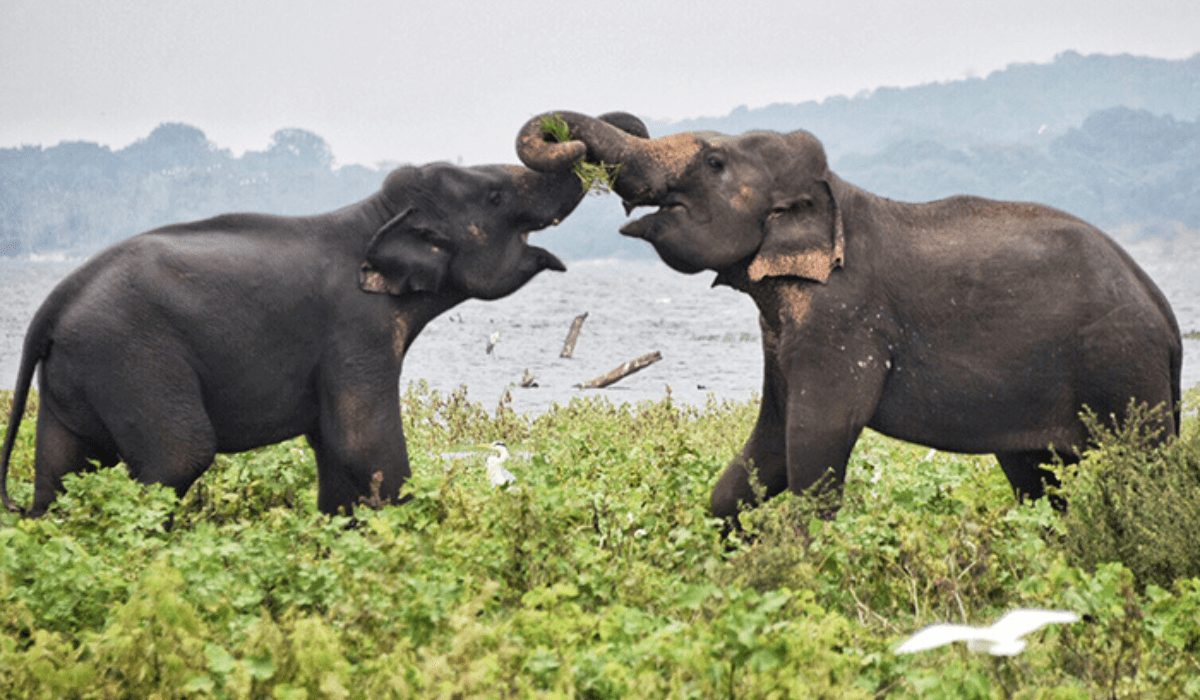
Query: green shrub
x=1137, y=502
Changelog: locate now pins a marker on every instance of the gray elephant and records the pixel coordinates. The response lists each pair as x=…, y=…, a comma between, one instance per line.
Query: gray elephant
x=245, y=330
x=965, y=324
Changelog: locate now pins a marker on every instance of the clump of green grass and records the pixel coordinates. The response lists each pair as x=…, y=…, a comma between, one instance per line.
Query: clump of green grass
x=598, y=178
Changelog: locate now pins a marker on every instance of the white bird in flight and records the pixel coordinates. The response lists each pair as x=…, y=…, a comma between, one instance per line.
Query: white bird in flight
x=1003, y=638
x=496, y=472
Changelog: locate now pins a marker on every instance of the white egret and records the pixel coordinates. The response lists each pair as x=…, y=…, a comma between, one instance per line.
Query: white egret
x=1003, y=638
x=492, y=340
x=496, y=472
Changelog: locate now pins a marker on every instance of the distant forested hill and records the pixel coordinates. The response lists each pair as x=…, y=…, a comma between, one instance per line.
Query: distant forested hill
x=1114, y=139
x=1120, y=168
x=79, y=196
x=1024, y=103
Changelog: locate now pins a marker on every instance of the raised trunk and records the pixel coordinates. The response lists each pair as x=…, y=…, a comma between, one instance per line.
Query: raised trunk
x=649, y=167
x=550, y=196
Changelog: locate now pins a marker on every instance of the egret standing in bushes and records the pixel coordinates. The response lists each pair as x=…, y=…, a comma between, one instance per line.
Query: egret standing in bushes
x=496, y=472
x=1003, y=638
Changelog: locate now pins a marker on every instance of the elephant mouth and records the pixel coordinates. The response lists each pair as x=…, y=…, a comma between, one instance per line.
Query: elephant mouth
x=545, y=259
x=548, y=260
x=671, y=201
x=651, y=226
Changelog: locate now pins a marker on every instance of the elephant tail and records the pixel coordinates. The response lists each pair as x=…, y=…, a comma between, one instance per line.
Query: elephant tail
x=1177, y=384
x=37, y=345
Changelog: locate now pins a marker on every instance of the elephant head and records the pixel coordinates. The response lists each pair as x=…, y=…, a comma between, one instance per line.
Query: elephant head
x=765, y=202
x=465, y=230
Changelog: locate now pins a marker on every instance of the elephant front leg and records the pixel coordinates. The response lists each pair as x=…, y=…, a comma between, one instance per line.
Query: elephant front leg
x=828, y=405
x=360, y=450
x=760, y=471
x=755, y=475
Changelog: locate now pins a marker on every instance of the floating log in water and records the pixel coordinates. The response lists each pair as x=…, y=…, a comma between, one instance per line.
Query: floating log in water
x=623, y=371
x=576, y=325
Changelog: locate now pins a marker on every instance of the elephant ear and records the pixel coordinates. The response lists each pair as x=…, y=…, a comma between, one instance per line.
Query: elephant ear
x=402, y=258
x=802, y=237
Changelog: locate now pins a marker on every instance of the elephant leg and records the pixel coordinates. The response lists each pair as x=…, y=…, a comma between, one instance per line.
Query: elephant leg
x=831, y=398
x=758, y=473
x=161, y=428
x=58, y=452
x=359, y=436
x=819, y=446
x=1027, y=475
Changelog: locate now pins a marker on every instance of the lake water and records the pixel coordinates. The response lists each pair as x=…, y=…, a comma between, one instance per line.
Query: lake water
x=708, y=337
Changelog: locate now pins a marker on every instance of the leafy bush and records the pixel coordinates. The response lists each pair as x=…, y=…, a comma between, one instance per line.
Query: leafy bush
x=1135, y=501
x=599, y=574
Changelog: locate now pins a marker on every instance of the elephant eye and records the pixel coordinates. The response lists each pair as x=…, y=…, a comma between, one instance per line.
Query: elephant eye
x=716, y=162
x=798, y=205
x=495, y=197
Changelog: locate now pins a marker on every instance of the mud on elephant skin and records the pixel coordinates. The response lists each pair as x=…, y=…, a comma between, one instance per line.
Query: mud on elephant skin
x=965, y=324
x=245, y=330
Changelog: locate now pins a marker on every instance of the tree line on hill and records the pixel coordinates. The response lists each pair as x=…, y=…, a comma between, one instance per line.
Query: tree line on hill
x=1113, y=139
x=1121, y=167
x=81, y=196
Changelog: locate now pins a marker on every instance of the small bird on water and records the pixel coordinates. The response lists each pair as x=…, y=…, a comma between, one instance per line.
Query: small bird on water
x=496, y=472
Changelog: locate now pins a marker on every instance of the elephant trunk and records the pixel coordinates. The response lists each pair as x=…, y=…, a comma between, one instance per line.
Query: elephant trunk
x=550, y=196
x=649, y=167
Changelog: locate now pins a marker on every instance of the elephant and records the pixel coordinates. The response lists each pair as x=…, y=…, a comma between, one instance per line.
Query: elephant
x=965, y=324
x=245, y=330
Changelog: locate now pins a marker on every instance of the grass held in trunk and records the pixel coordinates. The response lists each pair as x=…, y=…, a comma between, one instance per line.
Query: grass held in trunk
x=596, y=177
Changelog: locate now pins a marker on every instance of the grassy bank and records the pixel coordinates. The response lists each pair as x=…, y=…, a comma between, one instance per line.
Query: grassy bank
x=599, y=576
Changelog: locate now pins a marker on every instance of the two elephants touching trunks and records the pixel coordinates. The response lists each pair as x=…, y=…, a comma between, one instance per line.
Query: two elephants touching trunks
x=966, y=324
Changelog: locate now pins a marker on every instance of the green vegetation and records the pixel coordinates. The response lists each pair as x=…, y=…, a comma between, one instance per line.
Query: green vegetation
x=599, y=575
x=1136, y=503
x=597, y=178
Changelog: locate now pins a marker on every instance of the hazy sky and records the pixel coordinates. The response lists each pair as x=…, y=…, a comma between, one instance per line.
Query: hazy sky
x=421, y=80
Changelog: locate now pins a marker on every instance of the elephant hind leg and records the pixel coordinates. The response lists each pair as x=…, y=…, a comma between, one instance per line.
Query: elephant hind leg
x=1027, y=475
x=58, y=452
x=169, y=455
x=166, y=437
